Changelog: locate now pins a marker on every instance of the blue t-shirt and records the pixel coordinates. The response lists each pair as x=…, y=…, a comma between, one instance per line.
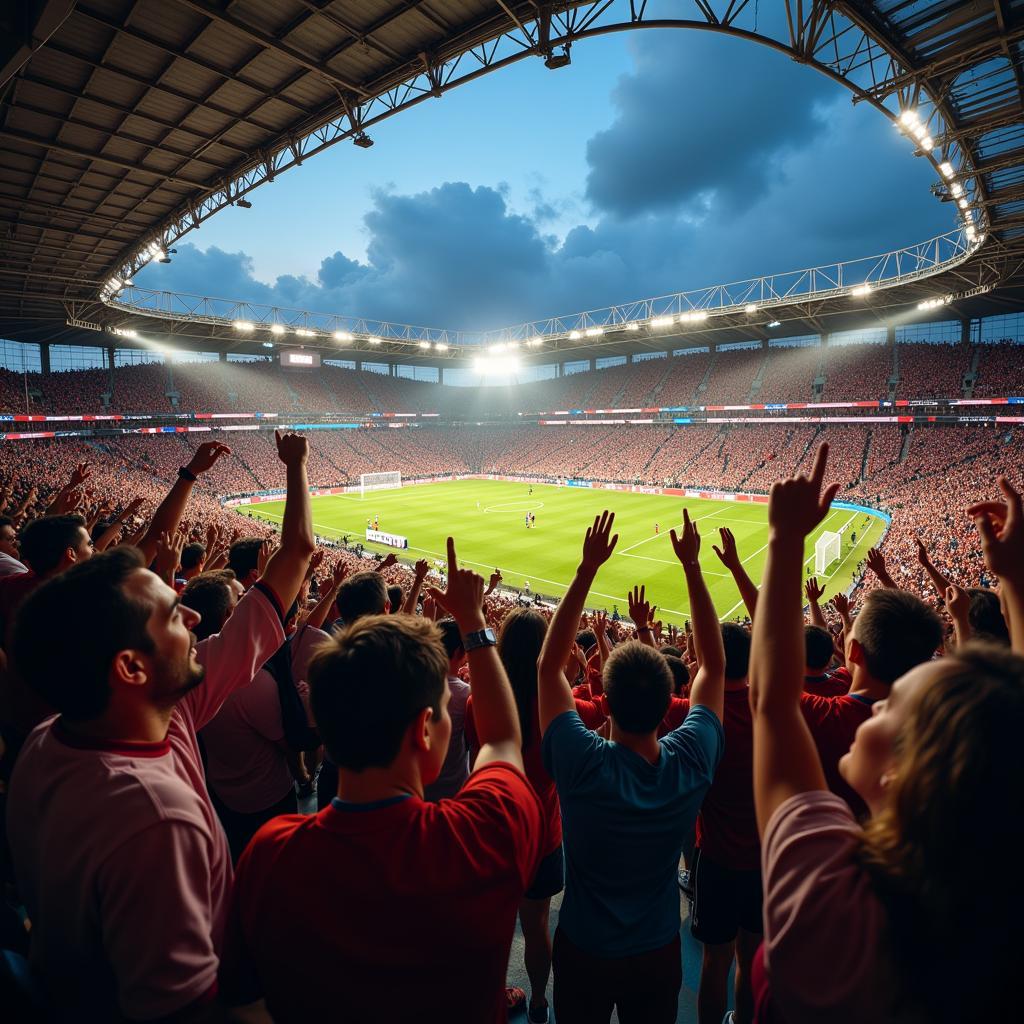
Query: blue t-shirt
x=624, y=821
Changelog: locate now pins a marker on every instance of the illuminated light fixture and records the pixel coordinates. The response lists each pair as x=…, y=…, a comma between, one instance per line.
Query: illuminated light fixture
x=861, y=290
x=535, y=342
x=633, y=327
x=575, y=335
x=114, y=283
x=303, y=332
x=373, y=340
x=242, y=325
x=663, y=321
x=957, y=189
x=424, y=344
x=908, y=117
x=342, y=336
x=440, y=346
x=268, y=344
x=159, y=256
x=128, y=283
x=919, y=132
x=594, y=332
x=964, y=203
x=276, y=329
x=750, y=307
x=946, y=168
x=512, y=346
x=775, y=323
x=693, y=316
x=927, y=142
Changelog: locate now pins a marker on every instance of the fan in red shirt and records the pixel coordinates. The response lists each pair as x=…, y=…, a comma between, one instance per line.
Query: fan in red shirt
x=820, y=650
x=726, y=907
x=893, y=632
x=414, y=888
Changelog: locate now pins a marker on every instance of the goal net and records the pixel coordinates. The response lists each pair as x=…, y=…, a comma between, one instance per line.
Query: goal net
x=827, y=550
x=379, y=482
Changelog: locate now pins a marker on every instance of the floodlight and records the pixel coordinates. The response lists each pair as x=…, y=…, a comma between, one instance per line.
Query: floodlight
x=342, y=336
x=750, y=307
x=908, y=117
x=775, y=323
x=440, y=346
x=373, y=340
x=957, y=189
x=574, y=335
x=268, y=344
x=128, y=283
x=277, y=329
x=964, y=204
x=663, y=321
x=424, y=344
x=535, y=342
x=114, y=283
x=302, y=332
x=242, y=325
x=927, y=143
x=919, y=132
x=594, y=332
x=632, y=327
x=861, y=289
x=946, y=168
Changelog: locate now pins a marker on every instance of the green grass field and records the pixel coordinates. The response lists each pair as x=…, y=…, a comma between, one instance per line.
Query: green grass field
x=486, y=518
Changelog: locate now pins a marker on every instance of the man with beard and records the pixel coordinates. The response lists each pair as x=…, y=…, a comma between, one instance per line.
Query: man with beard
x=119, y=857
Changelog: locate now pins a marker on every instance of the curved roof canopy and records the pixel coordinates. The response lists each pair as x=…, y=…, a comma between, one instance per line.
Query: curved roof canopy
x=126, y=123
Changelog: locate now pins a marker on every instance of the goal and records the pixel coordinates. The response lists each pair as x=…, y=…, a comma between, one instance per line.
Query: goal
x=379, y=482
x=827, y=550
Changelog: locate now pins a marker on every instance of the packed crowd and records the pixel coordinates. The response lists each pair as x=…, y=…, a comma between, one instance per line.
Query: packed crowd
x=812, y=787
x=729, y=377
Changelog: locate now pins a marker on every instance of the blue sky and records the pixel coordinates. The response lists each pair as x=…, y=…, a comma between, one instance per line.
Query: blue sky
x=659, y=161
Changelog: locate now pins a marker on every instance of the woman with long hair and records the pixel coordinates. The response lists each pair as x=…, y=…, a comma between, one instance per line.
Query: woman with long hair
x=915, y=915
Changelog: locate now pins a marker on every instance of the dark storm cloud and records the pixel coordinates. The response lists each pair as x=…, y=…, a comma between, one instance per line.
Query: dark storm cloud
x=700, y=124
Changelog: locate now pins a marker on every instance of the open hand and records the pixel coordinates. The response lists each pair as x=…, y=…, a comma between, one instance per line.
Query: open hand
x=639, y=607
x=598, y=544
x=1001, y=526
x=206, y=456
x=727, y=554
x=687, y=547
x=813, y=592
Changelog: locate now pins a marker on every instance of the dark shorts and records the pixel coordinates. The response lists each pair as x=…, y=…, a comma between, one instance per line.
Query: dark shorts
x=550, y=877
x=724, y=901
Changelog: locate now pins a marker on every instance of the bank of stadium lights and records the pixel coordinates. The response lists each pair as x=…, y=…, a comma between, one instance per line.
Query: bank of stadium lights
x=694, y=316
x=303, y=332
x=439, y=346
x=277, y=329
x=575, y=335
x=342, y=336
x=861, y=290
x=662, y=321
x=943, y=300
x=373, y=340
x=910, y=122
x=424, y=344
x=243, y=325
x=594, y=332
x=750, y=307
x=632, y=327
x=535, y=342
x=946, y=169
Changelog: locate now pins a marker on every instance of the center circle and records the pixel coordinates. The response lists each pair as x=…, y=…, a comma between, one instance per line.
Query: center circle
x=515, y=506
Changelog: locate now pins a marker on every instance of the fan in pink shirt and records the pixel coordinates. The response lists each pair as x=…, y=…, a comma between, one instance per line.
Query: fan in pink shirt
x=887, y=906
x=119, y=857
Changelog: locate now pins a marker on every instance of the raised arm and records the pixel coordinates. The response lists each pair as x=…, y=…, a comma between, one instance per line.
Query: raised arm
x=814, y=594
x=729, y=557
x=169, y=512
x=1001, y=525
x=876, y=563
x=287, y=566
x=113, y=531
x=329, y=596
x=640, y=613
x=785, y=758
x=554, y=695
x=494, y=707
x=422, y=568
x=940, y=582
x=708, y=686
x=958, y=604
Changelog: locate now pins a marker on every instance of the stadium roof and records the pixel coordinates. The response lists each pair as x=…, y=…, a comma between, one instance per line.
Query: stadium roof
x=126, y=123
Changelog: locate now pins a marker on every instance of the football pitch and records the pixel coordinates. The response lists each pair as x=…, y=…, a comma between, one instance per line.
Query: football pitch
x=487, y=520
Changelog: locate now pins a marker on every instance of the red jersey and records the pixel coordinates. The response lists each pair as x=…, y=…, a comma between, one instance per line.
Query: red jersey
x=360, y=912
x=727, y=824
x=533, y=767
x=678, y=709
x=833, y=721
x=830, y=684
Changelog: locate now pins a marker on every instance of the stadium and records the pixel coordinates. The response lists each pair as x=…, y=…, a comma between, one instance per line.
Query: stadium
x=318, y=462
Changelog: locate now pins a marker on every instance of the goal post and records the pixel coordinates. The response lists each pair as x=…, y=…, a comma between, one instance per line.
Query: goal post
x=379, y=482
x=827, y=550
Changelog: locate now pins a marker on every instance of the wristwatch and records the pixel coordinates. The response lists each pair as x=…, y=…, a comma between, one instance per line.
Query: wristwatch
x=481, y=638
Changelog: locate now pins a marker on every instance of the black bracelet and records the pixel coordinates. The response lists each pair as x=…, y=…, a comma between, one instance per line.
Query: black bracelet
x=186, y=474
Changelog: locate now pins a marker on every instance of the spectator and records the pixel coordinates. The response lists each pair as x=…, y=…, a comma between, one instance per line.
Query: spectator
x=131, y=925
x=455, y=769
x=453, y=871
x=819, y=650
x=885, y=906
x=213, y=596
x=10, y=553
x=628, y=804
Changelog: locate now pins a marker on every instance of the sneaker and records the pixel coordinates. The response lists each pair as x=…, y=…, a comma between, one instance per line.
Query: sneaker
x=685, y=886
x=538, y=1014
x=515, y=997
